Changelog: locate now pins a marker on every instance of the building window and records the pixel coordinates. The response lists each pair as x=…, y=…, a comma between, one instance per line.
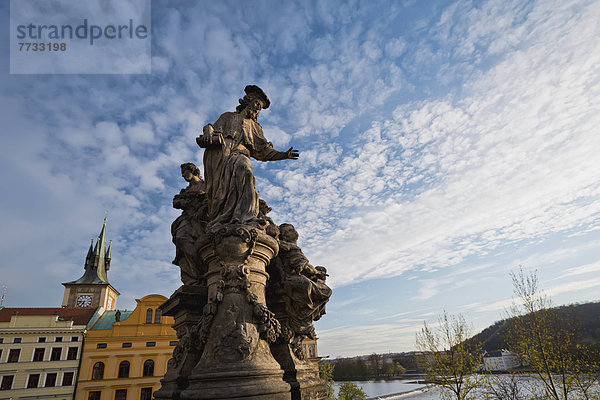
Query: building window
x=149, y=316
x=126, y=344
x=50, y=380
x=148, y=368
x=121, y=394
x=98, y=371
x=58, y=339
x=101, y=346
x=74, y=338
x=41, y=340
x=146, y=393
x=150, y=344
x=95, y=395
x=1, y=340
x=312, y=351
x=7, y=381
x=13, y=355
x=72, y=353
x=157, y=316
x=56, y=353
x=173, y=342
x=17, y=340
x=67, y=379
x=124, y=369
x=38, y=354
x=33, y=381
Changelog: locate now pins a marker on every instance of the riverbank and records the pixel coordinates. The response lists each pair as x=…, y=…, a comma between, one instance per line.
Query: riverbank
x=413, y=394
x=382, y=389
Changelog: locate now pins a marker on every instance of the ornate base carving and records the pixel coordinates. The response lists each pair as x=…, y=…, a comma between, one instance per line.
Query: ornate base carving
x=236, y=326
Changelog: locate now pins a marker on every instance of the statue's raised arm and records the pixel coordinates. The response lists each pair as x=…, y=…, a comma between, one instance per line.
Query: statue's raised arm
x=229, y=143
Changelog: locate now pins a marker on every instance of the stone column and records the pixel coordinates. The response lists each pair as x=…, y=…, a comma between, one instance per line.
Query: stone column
x=185, y=305
x=236, y=327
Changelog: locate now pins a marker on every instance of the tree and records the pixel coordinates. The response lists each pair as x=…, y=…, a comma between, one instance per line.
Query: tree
x=545, y=338
x=504, y=387
x=350, y=391
x=326, y=374
x=451, y=360
x=395, y=368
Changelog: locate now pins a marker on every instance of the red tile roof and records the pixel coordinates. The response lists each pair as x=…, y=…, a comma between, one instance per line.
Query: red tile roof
x=80, y=316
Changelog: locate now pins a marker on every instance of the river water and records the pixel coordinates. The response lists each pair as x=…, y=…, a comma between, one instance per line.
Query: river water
x=411, y=390
x=375, y=389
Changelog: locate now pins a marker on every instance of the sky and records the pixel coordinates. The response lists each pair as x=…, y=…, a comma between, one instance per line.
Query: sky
x=443, y=144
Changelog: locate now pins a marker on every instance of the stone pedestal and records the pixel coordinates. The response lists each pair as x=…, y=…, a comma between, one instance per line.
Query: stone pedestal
x=185, y=305
x=236, y=327
x=300, y=372
x=302, y=375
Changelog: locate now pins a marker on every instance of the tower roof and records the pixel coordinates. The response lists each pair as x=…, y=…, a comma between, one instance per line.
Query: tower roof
x=97, y=262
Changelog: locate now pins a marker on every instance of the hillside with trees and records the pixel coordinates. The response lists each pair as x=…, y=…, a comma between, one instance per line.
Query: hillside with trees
x=587, y=314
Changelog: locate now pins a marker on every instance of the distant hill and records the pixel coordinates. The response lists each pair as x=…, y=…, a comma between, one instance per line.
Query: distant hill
x=493, y=337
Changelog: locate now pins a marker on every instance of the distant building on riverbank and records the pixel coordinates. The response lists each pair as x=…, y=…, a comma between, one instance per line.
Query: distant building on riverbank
x=501, y=360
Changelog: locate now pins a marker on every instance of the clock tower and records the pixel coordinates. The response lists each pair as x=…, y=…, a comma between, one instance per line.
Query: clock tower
x=92, y=290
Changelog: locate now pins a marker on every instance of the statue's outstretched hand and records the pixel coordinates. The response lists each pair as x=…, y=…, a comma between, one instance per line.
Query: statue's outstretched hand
x=292, y=154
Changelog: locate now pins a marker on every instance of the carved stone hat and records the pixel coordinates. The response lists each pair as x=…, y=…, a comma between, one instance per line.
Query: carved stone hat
x=253, y=90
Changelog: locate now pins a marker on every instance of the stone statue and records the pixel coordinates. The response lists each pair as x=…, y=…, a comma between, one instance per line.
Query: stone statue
x=270, y=227
x=300, y=286
x=297, y=294
x=229, y=143
x=190, y=225
x=249, y=295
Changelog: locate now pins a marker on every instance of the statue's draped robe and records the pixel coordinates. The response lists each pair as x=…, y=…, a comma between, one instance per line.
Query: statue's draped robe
x=232, y=197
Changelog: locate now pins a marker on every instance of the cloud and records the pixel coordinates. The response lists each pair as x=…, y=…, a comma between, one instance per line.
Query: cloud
x=510, y=160
x=581, y=270
x=432, y=138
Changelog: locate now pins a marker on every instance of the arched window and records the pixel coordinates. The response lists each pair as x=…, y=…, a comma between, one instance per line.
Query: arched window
x=157, y=316
x=148, y=368
x=124, y=369
x=149, y=316
x=98, y=371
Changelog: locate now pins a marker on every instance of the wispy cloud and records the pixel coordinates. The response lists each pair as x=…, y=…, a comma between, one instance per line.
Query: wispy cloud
x=432, y=138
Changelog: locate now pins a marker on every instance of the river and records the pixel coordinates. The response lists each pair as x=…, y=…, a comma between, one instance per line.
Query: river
x=375, y=389
x=402, y=389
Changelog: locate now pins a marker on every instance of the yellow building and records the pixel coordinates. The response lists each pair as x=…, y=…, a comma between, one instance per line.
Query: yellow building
x=40, y=351
x=125, y=353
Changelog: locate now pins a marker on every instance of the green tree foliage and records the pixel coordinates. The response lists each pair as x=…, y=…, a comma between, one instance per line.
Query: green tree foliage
x=394, y=368
x=545, y=338
x=326, y=374
x=451, y=360
x=350, y=391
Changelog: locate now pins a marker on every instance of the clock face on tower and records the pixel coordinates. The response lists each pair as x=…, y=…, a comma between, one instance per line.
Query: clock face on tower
x=84, y=300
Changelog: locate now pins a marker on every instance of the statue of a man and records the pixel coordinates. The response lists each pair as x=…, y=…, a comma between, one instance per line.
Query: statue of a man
x=190, y=224
x=230, y=142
